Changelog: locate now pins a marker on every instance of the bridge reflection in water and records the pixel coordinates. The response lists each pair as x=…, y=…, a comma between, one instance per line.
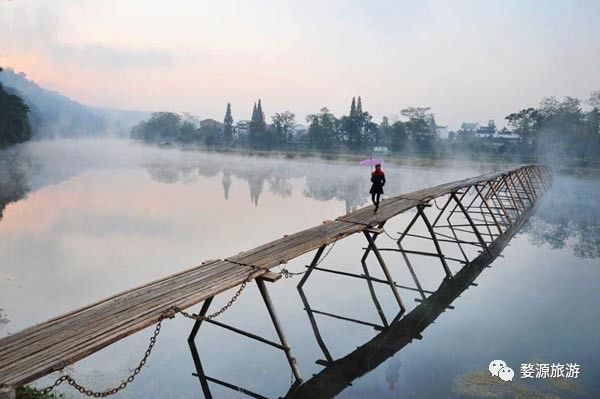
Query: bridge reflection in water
x=465, y=235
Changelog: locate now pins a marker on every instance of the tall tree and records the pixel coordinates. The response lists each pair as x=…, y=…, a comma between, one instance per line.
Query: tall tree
x=560, y=127
x=366, y=128
x=283, y=123
x=524, y=122
x=322, y=130
x=350, y=126
x=252, y=128
x=420, y=127
x=260, y=117
x=593, y=122
x=398, y=136
x=259, y=136
x=228, y=129
x=358, y=129
x=383, y=132
x=253, y=113
x=161, y=127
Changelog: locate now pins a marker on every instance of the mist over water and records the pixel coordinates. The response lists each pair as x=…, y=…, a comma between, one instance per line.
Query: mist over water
x=84, y=219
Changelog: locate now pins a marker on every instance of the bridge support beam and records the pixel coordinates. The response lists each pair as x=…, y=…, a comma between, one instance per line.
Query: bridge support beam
x=371, y=235
x=367, y=275
x=7, y=393
x=281, y=345
x=312, y=266
x=286, y=348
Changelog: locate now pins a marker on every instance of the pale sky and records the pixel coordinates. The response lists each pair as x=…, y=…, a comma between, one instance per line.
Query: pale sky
x=468, y=60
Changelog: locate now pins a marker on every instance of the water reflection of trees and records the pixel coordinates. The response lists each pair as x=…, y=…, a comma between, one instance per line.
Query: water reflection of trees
x=20, y=166
x=3, y=318
x=569, y=217
x=13, y=179
x=334, y=182
x=349, y=188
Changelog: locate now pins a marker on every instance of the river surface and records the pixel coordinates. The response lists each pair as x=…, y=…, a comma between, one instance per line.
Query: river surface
x=82, y=220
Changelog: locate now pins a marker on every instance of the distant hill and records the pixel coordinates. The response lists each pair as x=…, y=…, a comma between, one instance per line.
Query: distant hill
x=55, y=115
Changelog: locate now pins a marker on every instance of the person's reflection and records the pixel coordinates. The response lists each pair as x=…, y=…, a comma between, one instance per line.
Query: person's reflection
x=226, y=183
x=392, y=373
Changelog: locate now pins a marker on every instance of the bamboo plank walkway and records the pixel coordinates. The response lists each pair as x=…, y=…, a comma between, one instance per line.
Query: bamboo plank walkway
x=50, y=346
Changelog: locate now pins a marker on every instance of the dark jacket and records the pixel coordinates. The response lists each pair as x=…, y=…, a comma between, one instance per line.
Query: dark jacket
x=378, y=180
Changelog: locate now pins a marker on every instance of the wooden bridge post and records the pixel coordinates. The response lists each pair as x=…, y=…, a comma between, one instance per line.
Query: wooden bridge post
x=316, y=331
x=386, y=272
x=527, y=178
x=538, y=179
x=511, y=196
x=198, y=322
x=363, y=262
x=283, y=345
x=7, y=393
x=475, y=230
x=405, y=232
x=494, y=184
x=195, y=357
x=499, y=200
x=517, y=174
x=435, y=241
x=518, y=192
x=479, y=209
x=271, y=309
x=535, y=179
x=312, y=265
x=441, y=211
x=484, y=202
x=411, y=270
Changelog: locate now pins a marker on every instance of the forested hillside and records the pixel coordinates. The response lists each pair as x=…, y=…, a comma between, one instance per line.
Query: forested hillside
x=14, y=121
x=55, y=115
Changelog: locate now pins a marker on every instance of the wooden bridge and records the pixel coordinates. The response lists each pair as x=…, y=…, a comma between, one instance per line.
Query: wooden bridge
x=490, y=205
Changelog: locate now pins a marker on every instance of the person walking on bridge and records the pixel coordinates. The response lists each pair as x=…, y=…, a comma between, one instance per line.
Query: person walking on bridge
x=378, y=180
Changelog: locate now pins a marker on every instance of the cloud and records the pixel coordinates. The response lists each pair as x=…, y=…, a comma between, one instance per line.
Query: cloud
x=105, y=57
x=44, y=30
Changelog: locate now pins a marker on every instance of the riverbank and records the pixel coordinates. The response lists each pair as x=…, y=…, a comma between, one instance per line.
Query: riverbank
x=569, y=166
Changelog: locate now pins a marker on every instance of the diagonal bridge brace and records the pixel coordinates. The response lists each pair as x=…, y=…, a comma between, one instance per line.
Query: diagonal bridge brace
x=371, y=233
x=434, y=238
x=281, y=345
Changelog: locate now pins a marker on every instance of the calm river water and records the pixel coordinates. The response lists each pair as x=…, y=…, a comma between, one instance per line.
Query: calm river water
x=82, y=220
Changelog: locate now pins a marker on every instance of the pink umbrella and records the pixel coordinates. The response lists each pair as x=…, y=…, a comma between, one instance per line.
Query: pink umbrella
x=370, y=162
